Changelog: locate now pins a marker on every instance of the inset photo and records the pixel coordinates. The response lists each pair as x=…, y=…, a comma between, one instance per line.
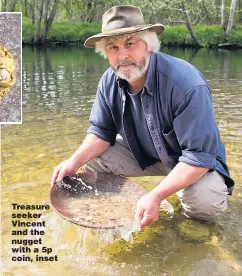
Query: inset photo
x=10, y=67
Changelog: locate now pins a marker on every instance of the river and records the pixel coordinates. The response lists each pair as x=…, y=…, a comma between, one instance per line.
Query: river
x=59, y=86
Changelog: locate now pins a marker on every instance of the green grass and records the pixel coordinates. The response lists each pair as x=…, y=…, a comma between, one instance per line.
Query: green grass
x=72, y=32
x=210, y=35
x=28, y=31
x=61, y=32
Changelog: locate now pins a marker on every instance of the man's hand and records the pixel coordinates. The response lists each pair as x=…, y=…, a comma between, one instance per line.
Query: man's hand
x=147, y=209
x=91, y=147
x=67, y=167
x=179, y=178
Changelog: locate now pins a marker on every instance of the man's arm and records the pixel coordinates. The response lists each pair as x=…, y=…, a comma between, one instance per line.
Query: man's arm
x=90, y=148
x=182, y=176
x=196, y=131
x=101, y=134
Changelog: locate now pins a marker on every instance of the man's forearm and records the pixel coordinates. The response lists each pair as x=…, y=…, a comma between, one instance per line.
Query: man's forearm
x=90, y=148
x=182, y=176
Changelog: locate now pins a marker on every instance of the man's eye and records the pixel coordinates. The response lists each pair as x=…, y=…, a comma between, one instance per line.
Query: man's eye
x=113, y=47
x=130, y=44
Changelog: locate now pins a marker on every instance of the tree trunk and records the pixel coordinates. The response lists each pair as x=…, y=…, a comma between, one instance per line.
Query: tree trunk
x=223, y=15
x=11, y=6
x=207, y=13
x=32, y=11
x=45, y=18
x=25, y=8
x=49, y=21
x=189, y=25
x=231, y=21
x=68, y=9
x=37, y=39
x=240, y=11
x=4, y=5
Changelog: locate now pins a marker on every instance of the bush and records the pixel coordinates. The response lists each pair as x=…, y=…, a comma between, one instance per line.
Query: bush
x=210, y=35
x=28, y=31
x=236, y=35
x=76, y=32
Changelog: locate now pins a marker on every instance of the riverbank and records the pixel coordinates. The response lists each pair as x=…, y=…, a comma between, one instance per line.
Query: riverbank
x=76, y=33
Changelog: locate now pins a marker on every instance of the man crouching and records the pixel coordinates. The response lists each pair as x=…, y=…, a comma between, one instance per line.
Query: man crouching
x=153, y=115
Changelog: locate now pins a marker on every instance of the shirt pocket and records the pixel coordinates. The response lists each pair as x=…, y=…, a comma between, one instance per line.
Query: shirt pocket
x=171, y=140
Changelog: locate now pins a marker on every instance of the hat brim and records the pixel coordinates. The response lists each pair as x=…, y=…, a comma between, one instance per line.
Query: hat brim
x=90, y=42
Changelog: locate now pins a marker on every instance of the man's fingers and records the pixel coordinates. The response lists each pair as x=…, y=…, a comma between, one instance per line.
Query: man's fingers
x=54, y=176
x=138, y=216
x=146, y=220
x=61, y=175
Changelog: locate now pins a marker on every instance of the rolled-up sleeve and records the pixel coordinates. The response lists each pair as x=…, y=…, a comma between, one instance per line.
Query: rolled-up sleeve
x=102, y=124
x=196, y=129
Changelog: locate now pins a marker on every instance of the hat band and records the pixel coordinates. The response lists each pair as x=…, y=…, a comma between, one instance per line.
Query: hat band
x=136, y=27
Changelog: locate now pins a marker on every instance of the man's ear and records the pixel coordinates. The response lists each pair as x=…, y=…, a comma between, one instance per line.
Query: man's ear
x=149, y=50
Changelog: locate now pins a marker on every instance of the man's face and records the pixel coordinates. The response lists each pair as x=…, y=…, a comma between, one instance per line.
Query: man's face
x=128, y=56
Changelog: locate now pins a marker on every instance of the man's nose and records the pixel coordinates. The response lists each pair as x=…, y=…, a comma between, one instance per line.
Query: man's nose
x=123, y=53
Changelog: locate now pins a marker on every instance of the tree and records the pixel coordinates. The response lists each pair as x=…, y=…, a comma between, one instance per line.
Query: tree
x=32, y=11
x=11, y=5
x=3, y=5
x=231, y=21
x=43, y=9
x=48, y=20
x=189, y=25
x=8, y=5
x=240, y=11
x=40, y=5
x=223, y=14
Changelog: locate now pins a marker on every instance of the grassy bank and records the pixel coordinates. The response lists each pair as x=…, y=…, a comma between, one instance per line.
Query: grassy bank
x=210, y=36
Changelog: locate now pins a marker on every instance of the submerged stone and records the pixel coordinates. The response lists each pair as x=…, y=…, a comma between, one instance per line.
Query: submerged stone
x=193, y=231
x=121, y=249
x=175, y=202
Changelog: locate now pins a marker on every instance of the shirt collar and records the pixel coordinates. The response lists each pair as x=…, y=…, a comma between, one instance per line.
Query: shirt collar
x=150, y=75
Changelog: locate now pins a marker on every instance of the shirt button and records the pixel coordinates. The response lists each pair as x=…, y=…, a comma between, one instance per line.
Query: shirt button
x=152, y=128
x=159, y=148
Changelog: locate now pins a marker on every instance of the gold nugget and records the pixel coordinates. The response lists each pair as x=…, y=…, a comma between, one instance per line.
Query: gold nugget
x=7, y=69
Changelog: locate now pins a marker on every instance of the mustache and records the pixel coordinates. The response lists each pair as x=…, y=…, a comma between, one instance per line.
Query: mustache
x=125, y=62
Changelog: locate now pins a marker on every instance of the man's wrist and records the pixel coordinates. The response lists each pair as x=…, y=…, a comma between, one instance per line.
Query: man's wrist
x=74, y=162
x=157, y=194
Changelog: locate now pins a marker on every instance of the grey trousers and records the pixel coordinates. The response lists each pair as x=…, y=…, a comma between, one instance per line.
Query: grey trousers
x=203, y=200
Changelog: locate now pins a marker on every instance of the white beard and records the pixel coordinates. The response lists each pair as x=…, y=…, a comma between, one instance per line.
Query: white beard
x=133, y=72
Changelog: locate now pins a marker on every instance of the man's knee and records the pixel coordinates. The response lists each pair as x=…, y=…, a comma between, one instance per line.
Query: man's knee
x=205, y=210
x=206, y=199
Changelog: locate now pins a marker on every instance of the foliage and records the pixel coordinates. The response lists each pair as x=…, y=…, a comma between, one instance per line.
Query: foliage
x=176, y=36
x=61, y=32
x=28, y=31
x=81, y=12
x=236, y=35
x=200, y=11
x=74, y=32
x=211, y=36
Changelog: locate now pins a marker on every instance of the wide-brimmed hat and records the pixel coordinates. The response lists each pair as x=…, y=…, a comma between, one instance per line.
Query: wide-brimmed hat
x=121, y=20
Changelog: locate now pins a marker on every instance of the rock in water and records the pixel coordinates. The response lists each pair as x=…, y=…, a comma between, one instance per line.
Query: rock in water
x=193, y=231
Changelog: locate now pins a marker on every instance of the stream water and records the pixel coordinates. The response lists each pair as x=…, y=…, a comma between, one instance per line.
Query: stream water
x=59, y=87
